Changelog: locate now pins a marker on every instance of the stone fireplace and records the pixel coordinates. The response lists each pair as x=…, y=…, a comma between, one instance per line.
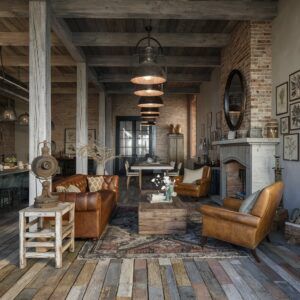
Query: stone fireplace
x=246, y=165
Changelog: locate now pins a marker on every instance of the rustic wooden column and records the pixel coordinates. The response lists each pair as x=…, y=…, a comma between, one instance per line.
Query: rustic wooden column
x=101, y=118
x=108, y=131
x=39, y=83
x=81, y=118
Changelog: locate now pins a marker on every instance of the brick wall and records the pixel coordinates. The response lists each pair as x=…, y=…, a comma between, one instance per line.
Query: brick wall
x=7, y=138
x=64, y=116
x=174, y=111
x=234, y=183
x=249, y=51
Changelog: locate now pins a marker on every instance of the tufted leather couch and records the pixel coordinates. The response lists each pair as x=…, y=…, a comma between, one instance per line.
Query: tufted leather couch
x=198, y=189
x=92, y=209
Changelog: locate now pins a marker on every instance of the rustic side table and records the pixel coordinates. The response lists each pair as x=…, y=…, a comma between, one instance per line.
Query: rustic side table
x=56, y=239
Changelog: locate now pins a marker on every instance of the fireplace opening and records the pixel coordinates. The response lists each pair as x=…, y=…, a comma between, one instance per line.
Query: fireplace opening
x=235, y=180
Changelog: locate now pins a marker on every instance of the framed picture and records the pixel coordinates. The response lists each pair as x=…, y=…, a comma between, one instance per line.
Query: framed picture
x=285, y=125
x=294, y=85
x=282, y=99
x=209, y=119
x=295, y=116
x=202, y=130
x=291, y=147
x=219, y=120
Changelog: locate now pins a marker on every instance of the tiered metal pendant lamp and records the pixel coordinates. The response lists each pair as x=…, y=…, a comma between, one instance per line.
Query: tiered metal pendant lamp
x=149, y=110
x=150, y=102
x=149, y=75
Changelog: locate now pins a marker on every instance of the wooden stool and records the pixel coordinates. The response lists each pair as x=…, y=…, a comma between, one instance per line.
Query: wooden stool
x=56, y=239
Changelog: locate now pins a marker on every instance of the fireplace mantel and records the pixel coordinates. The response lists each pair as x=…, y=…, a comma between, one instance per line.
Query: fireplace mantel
x=256, y=154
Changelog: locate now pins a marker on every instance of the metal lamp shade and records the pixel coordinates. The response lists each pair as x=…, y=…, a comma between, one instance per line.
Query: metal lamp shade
x=149, y=90
x=149, y=110
x=9, y=114
x=148, y=123
x=150, y=102
x=148, y=71
x=150, y=116
x=24, y=119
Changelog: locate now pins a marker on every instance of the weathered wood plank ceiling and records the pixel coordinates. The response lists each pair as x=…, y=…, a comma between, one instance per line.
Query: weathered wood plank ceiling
x=105, y=33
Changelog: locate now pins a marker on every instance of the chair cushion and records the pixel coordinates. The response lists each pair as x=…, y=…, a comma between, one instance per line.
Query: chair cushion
x=72, y=189
x=191, y=176
x=249, y=203
x=95, y=183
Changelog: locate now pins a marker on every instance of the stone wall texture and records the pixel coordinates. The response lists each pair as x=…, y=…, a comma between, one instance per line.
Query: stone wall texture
x=249, y=51
x=175, y=111
x=64, y=116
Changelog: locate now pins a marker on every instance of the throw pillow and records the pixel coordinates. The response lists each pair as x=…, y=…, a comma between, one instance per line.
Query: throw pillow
x=61, y=189
x=249, y=203
x=95, y=183
x=191, y=176
x=73, y=189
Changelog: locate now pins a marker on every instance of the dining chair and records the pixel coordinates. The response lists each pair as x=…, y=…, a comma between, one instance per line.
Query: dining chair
x=177, y=172
x=129, y=173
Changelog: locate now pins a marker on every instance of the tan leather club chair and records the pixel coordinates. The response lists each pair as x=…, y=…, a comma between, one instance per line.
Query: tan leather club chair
x=198, y=189
x=246, y=230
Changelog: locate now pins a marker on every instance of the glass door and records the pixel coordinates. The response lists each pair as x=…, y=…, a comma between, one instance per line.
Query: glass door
x=133, y=142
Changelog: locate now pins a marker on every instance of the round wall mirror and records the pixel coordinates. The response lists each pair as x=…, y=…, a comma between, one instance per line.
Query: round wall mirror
x=234, y=100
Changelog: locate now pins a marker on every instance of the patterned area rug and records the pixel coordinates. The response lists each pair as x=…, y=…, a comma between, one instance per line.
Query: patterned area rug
x=121, y=240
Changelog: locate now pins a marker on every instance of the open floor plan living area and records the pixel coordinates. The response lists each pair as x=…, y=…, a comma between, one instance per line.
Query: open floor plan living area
x=149, y=149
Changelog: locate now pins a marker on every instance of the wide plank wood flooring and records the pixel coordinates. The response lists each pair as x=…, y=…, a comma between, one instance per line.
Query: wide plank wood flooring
x=276, y=277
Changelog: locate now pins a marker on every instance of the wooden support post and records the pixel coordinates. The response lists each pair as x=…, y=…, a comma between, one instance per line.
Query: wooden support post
x=108, y=131
x=101, y=120
x=39, y=84
x=81, y=118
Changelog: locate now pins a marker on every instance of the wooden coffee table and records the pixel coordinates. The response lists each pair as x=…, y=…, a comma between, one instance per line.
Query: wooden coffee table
x=162, y=218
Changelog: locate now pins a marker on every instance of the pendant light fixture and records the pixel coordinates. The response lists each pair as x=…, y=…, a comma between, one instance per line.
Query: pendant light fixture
x=9, y=114
x=149, y=110
x=148, y=70
x=150, y=102
x=145, y=90
x=24, y=119
x=148, y=123
x=150, y=116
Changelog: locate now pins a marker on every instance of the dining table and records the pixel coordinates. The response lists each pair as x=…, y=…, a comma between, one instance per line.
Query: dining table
x=155, y=166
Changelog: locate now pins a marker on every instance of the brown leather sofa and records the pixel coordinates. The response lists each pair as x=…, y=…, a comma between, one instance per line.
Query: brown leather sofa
x=246, y=230
x=198, y=189
x=92, y=209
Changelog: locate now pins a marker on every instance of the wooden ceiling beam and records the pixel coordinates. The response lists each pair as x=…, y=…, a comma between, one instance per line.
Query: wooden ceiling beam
x=125, y=39
x=170, y=9
x=168, y=61
x=171, y=77
x=71, y=90
x=155, y=9
x=117, y=89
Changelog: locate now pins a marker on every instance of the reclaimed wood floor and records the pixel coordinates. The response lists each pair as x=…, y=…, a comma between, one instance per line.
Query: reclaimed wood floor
x=276, y=277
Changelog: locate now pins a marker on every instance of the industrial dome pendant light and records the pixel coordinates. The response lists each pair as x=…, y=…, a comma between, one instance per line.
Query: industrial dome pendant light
x=149, y=90
x=24, y=119
x=149, y=110
x=150, y=102
x=148, y=70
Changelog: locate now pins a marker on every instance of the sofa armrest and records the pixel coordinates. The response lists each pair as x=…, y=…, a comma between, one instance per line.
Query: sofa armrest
x=203, y=181
x=111, y=183
x=229, y=215
x=232, y=203
x=89, y=201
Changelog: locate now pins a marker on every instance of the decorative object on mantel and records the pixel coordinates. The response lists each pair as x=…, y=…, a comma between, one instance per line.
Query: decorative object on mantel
x=272, y=129
x=178, y=129
x=231, y=135
x=100, y=154
x=282, y=99
x=171, y=129
x=44, y=167
x=295, y=116
x=294, y=86
x=291, y=147
x=234, y=100
x=242, y=133
x=256, y=132
x=219, y=120
x=285, y=125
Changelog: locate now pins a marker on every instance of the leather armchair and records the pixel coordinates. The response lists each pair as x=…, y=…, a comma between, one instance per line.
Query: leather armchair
x=246, y=230
x=92, y=209
x=198, y=189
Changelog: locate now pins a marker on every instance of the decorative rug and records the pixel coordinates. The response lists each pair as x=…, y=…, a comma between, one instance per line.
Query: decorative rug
x=121, y=240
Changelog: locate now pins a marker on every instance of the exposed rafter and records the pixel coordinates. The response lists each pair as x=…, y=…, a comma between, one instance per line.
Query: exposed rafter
x=155, y=9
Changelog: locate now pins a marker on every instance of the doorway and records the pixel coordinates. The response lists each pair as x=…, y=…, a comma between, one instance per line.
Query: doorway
x=133, y=142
